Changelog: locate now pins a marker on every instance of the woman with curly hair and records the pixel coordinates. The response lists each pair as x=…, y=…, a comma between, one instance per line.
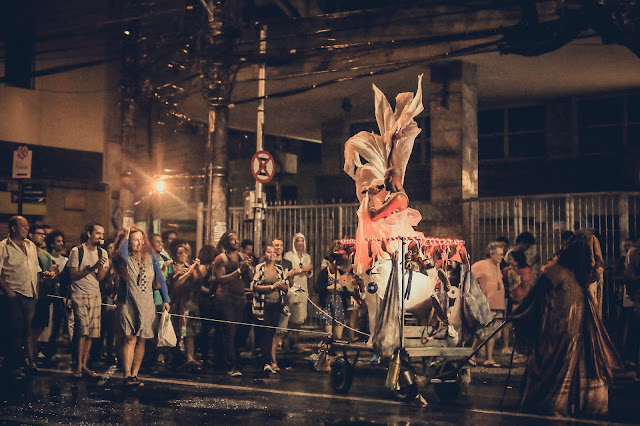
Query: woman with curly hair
x=138, y=268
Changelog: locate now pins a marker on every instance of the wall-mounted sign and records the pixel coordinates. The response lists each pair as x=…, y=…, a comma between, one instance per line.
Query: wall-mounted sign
x=22, y=163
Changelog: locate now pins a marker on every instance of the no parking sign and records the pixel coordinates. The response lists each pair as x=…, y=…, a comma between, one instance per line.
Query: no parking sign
x=263, y=166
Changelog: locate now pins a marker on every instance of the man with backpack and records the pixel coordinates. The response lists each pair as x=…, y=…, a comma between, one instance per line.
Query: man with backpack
x=88, y=265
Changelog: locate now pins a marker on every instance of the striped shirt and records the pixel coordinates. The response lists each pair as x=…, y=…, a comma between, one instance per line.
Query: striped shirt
x=258, y=298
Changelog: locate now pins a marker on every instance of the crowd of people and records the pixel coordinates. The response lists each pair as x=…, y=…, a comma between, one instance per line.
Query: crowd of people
x=106, y=296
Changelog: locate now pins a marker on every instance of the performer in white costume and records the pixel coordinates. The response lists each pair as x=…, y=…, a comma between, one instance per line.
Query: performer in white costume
x=384, y=207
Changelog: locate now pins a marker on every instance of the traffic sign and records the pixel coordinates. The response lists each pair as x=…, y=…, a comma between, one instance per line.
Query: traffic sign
x=263, y=166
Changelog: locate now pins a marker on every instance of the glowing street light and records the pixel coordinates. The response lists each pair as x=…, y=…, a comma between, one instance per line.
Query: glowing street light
x=160, y=186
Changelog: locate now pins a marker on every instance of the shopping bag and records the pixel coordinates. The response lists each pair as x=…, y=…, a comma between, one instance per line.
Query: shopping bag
x=166, y=334
x=476, y=308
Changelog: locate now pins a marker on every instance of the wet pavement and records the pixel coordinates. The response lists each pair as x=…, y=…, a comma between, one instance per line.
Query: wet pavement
x=298, y=395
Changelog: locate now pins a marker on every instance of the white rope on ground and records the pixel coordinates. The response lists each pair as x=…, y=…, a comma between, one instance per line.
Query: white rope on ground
x=241, y=323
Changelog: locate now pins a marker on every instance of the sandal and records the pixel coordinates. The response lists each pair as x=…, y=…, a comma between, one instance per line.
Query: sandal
x=89, y=374
x=129, y=382
x=472, y=362
x=491, y=364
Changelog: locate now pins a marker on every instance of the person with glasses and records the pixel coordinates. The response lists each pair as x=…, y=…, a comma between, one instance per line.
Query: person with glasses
x=489, y=276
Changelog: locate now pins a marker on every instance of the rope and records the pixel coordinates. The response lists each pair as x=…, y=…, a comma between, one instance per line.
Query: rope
x=243, y=323
x=344, y=325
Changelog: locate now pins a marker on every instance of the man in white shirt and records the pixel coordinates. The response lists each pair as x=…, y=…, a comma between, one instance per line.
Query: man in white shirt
x=20, y=274
x=88, y=265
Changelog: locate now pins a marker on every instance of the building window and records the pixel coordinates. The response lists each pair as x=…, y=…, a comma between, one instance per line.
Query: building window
x=311, y=153
x=526, y=131
x=600, y=124
x=491, y=128
x=511, y=133
x=633, y=122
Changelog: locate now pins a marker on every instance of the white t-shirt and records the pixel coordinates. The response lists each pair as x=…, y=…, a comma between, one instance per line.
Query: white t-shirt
x=88, y=284
x=61, y=261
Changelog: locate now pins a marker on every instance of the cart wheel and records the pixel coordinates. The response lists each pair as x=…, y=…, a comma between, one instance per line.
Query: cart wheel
x=408, y=386
x=450, y=390
x=341, y=375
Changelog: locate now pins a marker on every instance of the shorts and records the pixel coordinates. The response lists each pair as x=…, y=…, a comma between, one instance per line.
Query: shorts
x=87, y=310
x=41, y=316
x=485, y=332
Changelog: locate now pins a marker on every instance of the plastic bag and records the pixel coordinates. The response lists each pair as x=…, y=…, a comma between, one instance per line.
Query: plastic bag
x=166, y=334
x=386, y=334
x=476, y=308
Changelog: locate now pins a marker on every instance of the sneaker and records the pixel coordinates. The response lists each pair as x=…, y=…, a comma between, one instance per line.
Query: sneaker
x=267, y=368
x=235, y=373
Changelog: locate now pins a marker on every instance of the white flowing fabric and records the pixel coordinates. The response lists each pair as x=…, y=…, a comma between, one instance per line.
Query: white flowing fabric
x=379, y=153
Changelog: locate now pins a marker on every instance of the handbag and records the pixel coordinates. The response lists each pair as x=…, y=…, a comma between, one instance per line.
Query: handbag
x=166, y=333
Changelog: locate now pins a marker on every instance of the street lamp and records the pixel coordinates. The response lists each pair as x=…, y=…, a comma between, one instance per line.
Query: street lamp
x=160, y=186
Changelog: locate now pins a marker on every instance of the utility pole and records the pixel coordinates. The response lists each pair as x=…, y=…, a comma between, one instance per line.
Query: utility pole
x=258, y=215
x=216, y=77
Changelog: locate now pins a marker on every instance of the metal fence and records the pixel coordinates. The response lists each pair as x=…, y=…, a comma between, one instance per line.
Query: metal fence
x=615, y=216
x=321, y=224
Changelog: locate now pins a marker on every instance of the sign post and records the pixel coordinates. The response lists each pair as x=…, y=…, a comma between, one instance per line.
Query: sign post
x=21, y=169
x=263, y=167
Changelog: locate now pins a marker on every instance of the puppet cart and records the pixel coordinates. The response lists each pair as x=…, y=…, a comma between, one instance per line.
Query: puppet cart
x=442, y=366
x=435, y=350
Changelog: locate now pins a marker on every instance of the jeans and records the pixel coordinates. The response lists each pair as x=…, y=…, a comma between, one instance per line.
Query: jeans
x=230, y=308
x=264, y=336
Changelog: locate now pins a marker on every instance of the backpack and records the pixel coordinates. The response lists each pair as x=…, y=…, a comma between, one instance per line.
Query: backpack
x=65, y=275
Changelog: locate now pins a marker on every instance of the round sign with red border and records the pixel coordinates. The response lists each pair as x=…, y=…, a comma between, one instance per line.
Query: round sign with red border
x=263, y=166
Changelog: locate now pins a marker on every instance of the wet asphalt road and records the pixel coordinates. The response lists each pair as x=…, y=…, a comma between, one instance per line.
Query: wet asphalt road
x=296, y=396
